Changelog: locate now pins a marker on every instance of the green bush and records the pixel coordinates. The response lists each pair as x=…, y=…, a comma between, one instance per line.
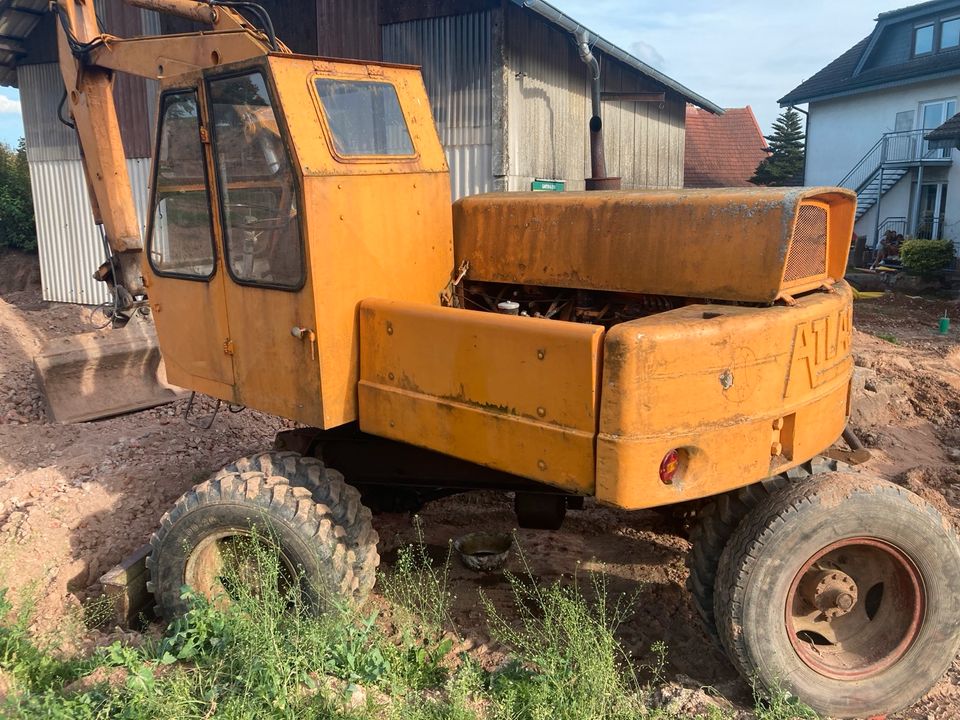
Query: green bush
x=17, y=226
x=927, y=257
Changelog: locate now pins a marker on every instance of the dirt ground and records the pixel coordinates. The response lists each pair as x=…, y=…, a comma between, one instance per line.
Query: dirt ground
x=76, y=499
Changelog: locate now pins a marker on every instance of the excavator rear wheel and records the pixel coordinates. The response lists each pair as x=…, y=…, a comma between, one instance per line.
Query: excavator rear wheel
x=715, y=523
x=292, y=505
x=843, y=590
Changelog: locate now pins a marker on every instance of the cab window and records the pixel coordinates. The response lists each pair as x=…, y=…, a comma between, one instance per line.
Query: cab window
x=364, y=118
x=181, y=239
x=258, y=194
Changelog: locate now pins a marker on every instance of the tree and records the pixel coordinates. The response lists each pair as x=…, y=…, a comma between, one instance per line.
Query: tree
x=17, y=226
x=784, y=166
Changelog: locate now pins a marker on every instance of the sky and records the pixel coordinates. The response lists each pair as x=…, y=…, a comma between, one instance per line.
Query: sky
x=734, y=53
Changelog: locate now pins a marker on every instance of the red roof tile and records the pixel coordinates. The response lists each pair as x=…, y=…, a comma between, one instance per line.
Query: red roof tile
x=722, y=150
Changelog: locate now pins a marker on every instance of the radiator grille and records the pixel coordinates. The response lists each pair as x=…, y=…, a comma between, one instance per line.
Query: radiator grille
x=807, y=257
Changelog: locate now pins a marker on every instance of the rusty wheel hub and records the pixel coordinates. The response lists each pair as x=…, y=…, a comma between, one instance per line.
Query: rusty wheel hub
x=855, y=608
x=831, y=591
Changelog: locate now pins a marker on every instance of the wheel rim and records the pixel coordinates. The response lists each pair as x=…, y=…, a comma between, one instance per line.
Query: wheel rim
x=855, y=608
x=223, y=561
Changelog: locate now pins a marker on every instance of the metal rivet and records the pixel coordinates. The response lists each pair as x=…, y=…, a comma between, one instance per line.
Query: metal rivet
x=541, y=354
x=339, y=186
x=341, y=217
x=541, y=411
x=390, y=375
x=391, y=423
x=389, y=328
x=541, y=464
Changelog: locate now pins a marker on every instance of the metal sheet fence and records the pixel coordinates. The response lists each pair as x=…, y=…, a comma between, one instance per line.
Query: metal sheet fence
x=69, y=241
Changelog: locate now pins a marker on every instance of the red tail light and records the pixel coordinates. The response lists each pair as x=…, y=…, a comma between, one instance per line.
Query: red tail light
x=669, y=467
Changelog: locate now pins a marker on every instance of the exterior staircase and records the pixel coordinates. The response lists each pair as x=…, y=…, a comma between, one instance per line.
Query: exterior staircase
x=892, y=157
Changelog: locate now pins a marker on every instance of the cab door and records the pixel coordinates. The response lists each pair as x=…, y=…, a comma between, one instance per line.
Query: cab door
x=186, y=282
x=270, y=305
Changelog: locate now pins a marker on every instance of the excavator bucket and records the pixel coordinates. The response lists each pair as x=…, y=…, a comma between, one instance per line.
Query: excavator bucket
x=105, y=373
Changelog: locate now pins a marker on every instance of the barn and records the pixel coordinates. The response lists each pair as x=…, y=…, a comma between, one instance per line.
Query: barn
x=510, y=96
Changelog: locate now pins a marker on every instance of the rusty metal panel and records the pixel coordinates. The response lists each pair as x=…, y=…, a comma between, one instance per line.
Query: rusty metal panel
x=294, y=21
x=455, y=54
x=512, y=393
x=723, y=244
x=135, y=97
x=742, y=393
x=549, y=108
x=348, y=29
x=69, y=242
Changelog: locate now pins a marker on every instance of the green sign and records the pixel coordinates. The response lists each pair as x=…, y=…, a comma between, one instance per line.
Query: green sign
x=548, y=185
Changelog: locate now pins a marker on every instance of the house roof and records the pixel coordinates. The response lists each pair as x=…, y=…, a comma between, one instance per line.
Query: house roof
x=565, y=22
x=950, y=130
x=722, y=150
x=848, y=75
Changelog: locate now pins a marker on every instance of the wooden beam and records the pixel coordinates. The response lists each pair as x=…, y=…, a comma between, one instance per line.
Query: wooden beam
x=634, y=97
x=126, y=586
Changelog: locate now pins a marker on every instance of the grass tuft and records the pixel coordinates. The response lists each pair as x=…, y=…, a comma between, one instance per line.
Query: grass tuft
x=262, y=653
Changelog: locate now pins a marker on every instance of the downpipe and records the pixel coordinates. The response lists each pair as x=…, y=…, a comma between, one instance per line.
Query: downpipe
x=598, y=179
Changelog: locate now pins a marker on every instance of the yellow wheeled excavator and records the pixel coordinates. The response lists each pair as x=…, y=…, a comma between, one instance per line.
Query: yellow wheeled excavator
x=646, y=348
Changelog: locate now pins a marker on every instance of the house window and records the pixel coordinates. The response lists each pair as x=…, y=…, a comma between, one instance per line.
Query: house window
x=950, y=33
x=923, y=39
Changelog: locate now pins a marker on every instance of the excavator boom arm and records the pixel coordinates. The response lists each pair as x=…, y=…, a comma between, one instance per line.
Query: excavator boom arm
x=88, y=60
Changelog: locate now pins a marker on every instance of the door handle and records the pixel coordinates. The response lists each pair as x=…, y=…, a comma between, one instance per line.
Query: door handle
x=302, y=333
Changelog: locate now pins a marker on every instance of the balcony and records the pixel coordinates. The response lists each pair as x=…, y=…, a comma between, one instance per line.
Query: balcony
x=892, y=157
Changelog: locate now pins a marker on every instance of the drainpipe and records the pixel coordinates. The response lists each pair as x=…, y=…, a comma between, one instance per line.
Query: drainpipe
x=598, y=164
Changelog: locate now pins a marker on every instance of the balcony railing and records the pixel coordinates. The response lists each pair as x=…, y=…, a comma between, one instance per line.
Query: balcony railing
x=905, y=148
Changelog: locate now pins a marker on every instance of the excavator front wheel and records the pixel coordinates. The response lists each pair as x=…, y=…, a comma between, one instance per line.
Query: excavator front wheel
x=843, y=590
x=290, y=506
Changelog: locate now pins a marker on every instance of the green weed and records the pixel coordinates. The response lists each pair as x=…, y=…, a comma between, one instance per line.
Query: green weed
x=265, y=654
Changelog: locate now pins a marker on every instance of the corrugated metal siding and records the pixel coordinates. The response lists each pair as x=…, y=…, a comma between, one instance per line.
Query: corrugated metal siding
x=69, y=242
x=348, y=29
x=135, y=97
x=455, y=53
x=548, y=98
x=41, y=89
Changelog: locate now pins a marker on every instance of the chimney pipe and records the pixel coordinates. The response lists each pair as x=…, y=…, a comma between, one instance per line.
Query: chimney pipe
x=598, y=164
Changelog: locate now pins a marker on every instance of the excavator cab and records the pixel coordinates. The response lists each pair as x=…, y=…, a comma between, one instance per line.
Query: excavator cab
x=264, y=176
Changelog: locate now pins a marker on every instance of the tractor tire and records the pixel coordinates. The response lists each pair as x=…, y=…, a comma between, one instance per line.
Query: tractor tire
x=321, y=531
x=843, y=590
x=716, y=522
x=328, y=488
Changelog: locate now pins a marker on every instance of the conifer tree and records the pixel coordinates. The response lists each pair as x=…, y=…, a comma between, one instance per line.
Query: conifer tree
x=784, y=166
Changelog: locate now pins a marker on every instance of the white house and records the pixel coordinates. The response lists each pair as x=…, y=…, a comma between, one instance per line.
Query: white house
x=868, y=112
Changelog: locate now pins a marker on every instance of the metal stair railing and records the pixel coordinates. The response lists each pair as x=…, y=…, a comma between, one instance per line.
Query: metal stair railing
x=907, y=146
x=897, y=224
